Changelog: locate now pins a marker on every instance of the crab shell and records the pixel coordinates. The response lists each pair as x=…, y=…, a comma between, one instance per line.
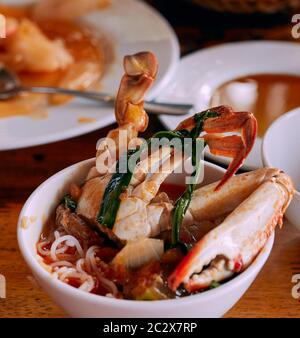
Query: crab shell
x=233, y=245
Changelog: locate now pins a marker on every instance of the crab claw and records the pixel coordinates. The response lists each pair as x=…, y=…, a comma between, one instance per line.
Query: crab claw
x=140, y=72
x=233, y=245
x=234, y=146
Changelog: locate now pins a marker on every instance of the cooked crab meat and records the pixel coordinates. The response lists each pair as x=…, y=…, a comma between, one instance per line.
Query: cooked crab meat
x=91, y=197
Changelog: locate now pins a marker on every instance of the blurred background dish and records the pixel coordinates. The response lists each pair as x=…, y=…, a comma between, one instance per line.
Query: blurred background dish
x=280, y=148
x=200, y=76
x=130, y=26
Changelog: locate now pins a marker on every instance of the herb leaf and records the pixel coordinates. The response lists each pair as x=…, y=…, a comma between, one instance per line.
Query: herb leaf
x=111, y=199
x=69, y=202
x=183, y=202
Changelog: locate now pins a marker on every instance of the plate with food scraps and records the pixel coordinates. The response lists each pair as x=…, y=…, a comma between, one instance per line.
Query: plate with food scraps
x=82, y=48
x=262, y=77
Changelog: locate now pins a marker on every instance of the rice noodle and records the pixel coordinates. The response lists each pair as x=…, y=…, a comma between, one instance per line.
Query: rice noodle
x=61, y=250
x=79, y=264
x=56, y=234
x=42, y=251
x=68, y=239
x=62, y=263
x=70, y=272
x=88, y=285
x=87, y=282
x=90, y=258
x=83, y=269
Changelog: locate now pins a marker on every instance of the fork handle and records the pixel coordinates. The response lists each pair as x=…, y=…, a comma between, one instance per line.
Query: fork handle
x=151, y=107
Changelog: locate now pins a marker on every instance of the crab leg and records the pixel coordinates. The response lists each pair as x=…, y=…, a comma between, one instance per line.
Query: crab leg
x=233, y=245
x=140, y=72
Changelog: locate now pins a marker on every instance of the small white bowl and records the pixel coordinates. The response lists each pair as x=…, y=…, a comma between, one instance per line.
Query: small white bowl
x=280, y=149
x=76, y=303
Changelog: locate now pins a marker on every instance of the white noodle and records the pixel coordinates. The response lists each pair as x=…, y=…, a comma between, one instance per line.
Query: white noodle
x=56, y=234
x=68, y=272
x=42, y=251
x=61, y=250
x=90, y=257
x=88, y=285
x=66, y=238
x=63, y=269
x=62, y=263
x=87, y=282
x=79, y=264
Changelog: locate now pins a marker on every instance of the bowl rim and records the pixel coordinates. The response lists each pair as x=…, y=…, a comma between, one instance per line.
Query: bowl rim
x=265, y=153
x=38, y=270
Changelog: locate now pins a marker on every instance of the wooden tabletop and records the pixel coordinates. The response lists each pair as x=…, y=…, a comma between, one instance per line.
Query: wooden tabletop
x=21, y=171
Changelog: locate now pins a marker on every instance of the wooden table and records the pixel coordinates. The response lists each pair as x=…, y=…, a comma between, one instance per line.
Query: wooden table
x=21, y=171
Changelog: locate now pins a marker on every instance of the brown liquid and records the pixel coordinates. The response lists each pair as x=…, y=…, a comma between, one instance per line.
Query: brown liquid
x=267, y=96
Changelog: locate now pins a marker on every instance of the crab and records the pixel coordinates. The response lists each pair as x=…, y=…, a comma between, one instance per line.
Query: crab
x=254, y=203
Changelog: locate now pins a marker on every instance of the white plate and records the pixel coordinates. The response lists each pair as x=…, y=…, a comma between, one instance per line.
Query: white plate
x=200, y=73
x=133, y=26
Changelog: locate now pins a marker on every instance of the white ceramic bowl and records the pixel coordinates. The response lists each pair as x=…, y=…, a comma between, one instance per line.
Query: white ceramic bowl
x=76, y=303
x=280, y=148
